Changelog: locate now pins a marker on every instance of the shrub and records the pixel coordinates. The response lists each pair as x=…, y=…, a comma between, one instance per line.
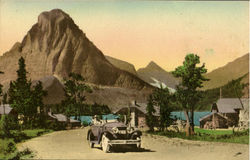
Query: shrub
x=4, y=128
x=84, y=123
x=8, y=149
x=18, y=136
x=54, y=125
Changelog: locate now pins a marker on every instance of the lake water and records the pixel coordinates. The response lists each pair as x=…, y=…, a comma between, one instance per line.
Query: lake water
x=177, y=115
x=197, y=116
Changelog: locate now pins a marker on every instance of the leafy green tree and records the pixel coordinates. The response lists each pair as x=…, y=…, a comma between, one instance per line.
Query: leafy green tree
x=74, y=92
x=164, y=100
x=187, y=92
x=150, y=118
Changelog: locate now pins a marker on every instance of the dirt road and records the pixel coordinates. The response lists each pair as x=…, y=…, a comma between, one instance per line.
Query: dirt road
x=72, y=144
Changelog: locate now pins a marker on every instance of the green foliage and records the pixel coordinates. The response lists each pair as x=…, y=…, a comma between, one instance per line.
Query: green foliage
x=210, y=135
x=37, y=96
x=208, y=98
x=8, y=149
x=192, y=78
x=213, y=132
x=74, y=92
x=150, y=118
x=4, y=127
x=23, y=98
x=54, y=125
x=165, y=101
x=191, y=75
x=233, y=89
x=20, y=136
x=84, y=123
x=97, y=109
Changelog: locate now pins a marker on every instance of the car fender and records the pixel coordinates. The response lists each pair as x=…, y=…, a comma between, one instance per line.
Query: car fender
x=107, y=134
x=136, y=133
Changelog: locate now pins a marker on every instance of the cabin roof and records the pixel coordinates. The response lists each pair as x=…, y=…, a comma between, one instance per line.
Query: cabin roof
x=142, y=107
x=211, y=114
x=229, y=105
x=7, y=109
x=62, y=118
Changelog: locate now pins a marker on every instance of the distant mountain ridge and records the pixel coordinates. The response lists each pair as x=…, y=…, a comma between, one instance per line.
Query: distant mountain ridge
x=153, y=73
x=224, y=74
x=123, y=65
x=55, y=46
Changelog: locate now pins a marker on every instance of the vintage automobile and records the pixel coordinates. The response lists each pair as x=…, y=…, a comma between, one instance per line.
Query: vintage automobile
x=112, y=134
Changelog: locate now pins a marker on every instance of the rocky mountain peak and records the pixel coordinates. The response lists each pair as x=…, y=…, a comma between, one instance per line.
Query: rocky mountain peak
x=56, y=46
x=153, y=66
x=52, y=27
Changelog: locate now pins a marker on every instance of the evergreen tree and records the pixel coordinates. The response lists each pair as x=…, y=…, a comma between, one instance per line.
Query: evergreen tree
x=22, y=97
x=164, y=100
x=20, y=94
x=4, y=127
x=187, y=94
x=150, y=118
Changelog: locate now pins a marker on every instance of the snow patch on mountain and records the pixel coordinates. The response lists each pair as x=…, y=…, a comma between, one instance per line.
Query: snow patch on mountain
x=160, y=84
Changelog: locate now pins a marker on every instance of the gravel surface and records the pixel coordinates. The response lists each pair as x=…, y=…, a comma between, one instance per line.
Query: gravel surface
x=72, y=144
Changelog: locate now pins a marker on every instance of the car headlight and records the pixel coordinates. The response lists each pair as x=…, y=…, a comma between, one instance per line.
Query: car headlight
x=130, y=129
x=115, y=130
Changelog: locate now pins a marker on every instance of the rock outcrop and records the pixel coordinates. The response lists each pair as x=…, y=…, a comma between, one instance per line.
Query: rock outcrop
x=123, y=65
x=56, y=46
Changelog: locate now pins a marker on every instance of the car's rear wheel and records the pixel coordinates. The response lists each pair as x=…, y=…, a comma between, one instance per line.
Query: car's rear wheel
x=91, y=144
x=104, y=144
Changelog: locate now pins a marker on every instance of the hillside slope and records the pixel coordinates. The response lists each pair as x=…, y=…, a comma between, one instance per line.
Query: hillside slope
x=223, y=75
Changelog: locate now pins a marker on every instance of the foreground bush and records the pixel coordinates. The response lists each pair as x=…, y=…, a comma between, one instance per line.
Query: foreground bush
x=8, y=149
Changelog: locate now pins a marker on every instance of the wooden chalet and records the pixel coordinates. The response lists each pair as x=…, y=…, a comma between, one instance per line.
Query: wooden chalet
x=225, y=113
x=61, y=118
x=138, y=113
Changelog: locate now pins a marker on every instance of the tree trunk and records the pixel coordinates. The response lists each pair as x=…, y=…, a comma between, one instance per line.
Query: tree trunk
x=192, y=122
x=188, y=127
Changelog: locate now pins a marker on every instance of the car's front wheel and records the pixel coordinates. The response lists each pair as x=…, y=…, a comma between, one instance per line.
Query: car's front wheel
x=104, y=144
x=138, y=145
x=91, y=144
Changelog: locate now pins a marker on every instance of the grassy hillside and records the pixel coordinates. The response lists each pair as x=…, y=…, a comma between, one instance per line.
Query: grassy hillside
x=223, y=75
